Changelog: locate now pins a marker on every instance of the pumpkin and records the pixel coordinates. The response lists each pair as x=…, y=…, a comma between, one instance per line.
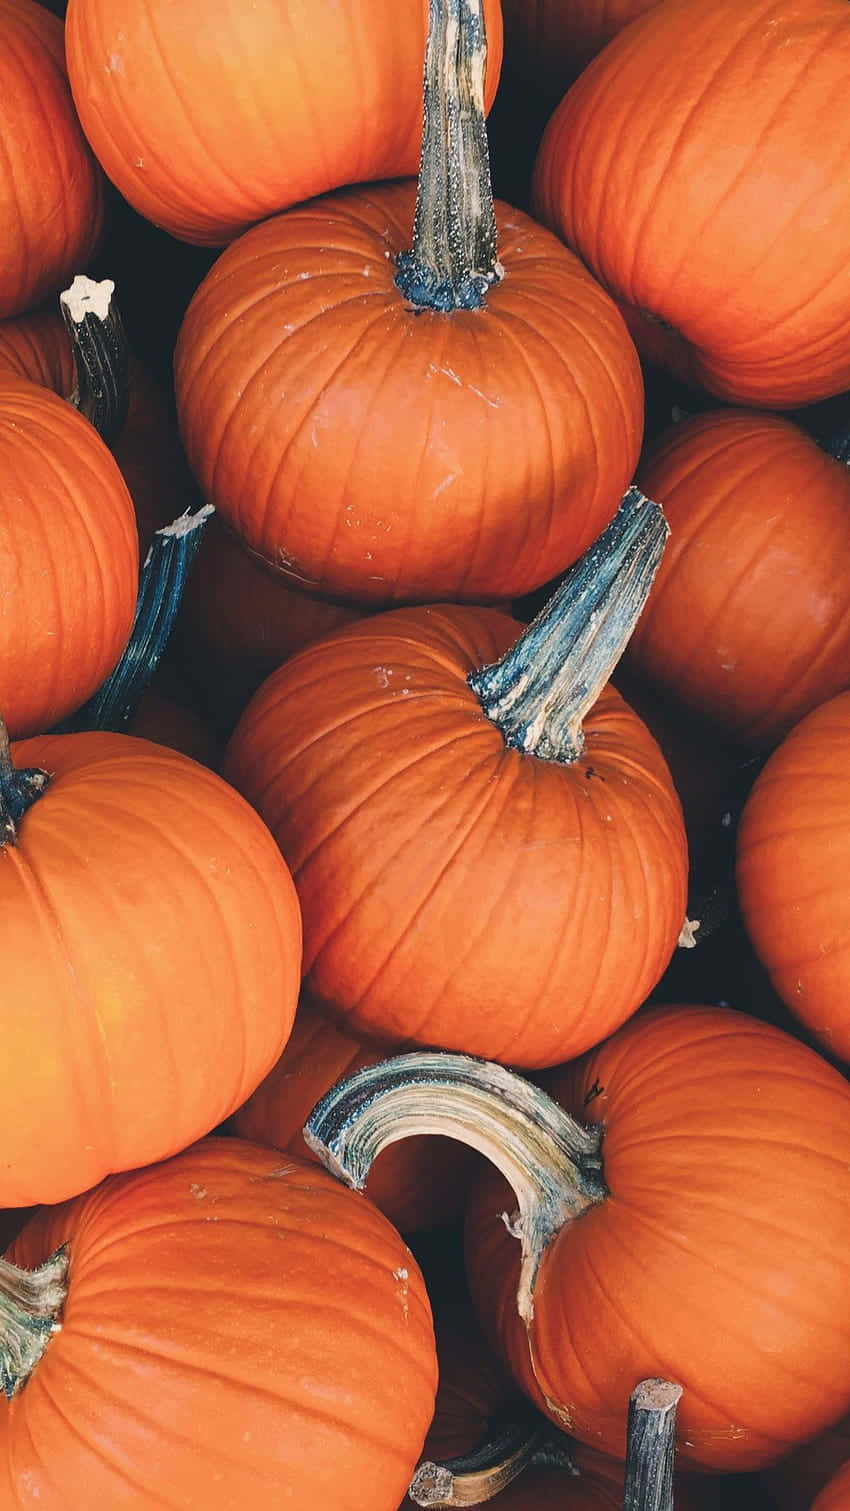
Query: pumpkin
x=836, y=1495
x=419, y=1183
x=166, y=720
x=68, y=558
x=455, y=421
x=549, y=42
x=151, y=948
x=51, y=197
x=473, y=871
x=691, y=166
x=795, y=1481
x=208, y=121
x=793, y=872
x=234, y=1332
x=705, y=1154
x=748, y=621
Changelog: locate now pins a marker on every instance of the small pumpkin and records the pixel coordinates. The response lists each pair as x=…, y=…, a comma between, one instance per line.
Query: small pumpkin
x=690, y=168
x=549, y=43
x=151, y=957
x=221, y=1330
x=418, y=1184
x=796, y=1481
x=793, y=872
x=836, y=1495
x=748, y=621
x=455, y=421
x=473, y=870
x=208, y=121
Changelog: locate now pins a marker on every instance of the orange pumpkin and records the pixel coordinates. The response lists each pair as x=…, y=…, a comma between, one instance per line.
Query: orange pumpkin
x=165, y=720
x=51, y=196
x=235, y=1332
x=795, y=1481
x=836, y=1495
x=549, y=42
x=748, y=621
x=793, y=872
x=208, y=120
x=697, y=166
x=151, y=946
x=419, y=1183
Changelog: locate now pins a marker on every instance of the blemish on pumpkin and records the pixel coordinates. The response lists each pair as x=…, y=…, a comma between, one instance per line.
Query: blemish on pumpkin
x=402, y=1275
x=199, y=1192
x=688, y=937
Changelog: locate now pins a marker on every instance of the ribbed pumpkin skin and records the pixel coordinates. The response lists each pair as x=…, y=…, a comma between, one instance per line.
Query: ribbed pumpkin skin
x=748, y=620
x=549, y=42
x=51, y=197
x=418, y=1183
x=69, y=558
x=239, y=1332
x=378, y=454
x=151, y=958
x=836, y=1495
x=455, y=892
x=793, y=871
x=208, y=119
x=698, y=168
x=720, y=1257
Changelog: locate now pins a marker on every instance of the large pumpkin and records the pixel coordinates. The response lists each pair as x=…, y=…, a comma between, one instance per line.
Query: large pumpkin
x=151, y=954
x=471, y=872
x=793, y=871
x=688, y=1220
x=236, y=1332
x=51, y=198
x=549, y=42
x=211, y=118
x=698, y=168
x=748, y=621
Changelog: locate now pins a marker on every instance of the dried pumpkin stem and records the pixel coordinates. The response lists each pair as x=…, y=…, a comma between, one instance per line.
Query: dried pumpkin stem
x=651, y=1446
x=476, y=1477
x=18, y=790
x=454, y=257
x=167, y=563
x=31, y=1303
x=540, y=691
x=552, y=1162
x=100, y=355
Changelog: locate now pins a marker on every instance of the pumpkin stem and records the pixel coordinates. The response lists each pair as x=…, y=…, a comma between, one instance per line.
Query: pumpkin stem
x=18, y=790
x=553, y=1163
x=167, y=563
x=540, y=691
x=651, y=1446
x=472, y=1478
x=100, y=355
x=454, y=259
x=30, y=1305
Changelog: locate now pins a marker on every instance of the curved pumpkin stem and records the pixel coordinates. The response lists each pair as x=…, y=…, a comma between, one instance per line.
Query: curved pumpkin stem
x=454, y=259
x=473, y=1478
x=540, y=691
x=100, y=355
x=18, y=790
x=552, y=1162
x=31, y=1303
x=651, y=1446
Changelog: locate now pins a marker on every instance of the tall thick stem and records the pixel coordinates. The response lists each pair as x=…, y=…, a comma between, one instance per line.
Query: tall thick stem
x=31, y=1303
x=553, y=1163
x=651, y=1446
x=540, y=691
x=100, y=355
x=454, y=257
x=18, y=790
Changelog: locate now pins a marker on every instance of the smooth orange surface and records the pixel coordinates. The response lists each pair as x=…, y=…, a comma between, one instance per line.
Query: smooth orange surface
x=209, y=118
x=456, y=892
x=698, y=166
x=719, y=1258
x=793, y=871
x=379, y=454
x=151, y=959
x=240, y=1331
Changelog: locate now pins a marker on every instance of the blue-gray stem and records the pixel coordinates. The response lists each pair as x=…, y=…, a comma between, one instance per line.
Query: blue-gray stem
x=454, y=257
x=31, y=1302
x=552, y=1162
x=18, y=790
x=651, y=1446
x=540, y=691
x=100, y=355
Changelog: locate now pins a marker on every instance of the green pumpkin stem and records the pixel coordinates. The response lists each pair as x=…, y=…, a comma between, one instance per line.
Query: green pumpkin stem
x=552, y=1162
x=651, y=1446
x=167, y=563
x=18, y=790
x=540, y=691
x=31, y=1303
x=472, y=1478
x=454, y=258
x=100, y=355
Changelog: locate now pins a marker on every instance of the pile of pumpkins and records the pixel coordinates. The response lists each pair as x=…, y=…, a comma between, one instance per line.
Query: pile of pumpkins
x=396, y=860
